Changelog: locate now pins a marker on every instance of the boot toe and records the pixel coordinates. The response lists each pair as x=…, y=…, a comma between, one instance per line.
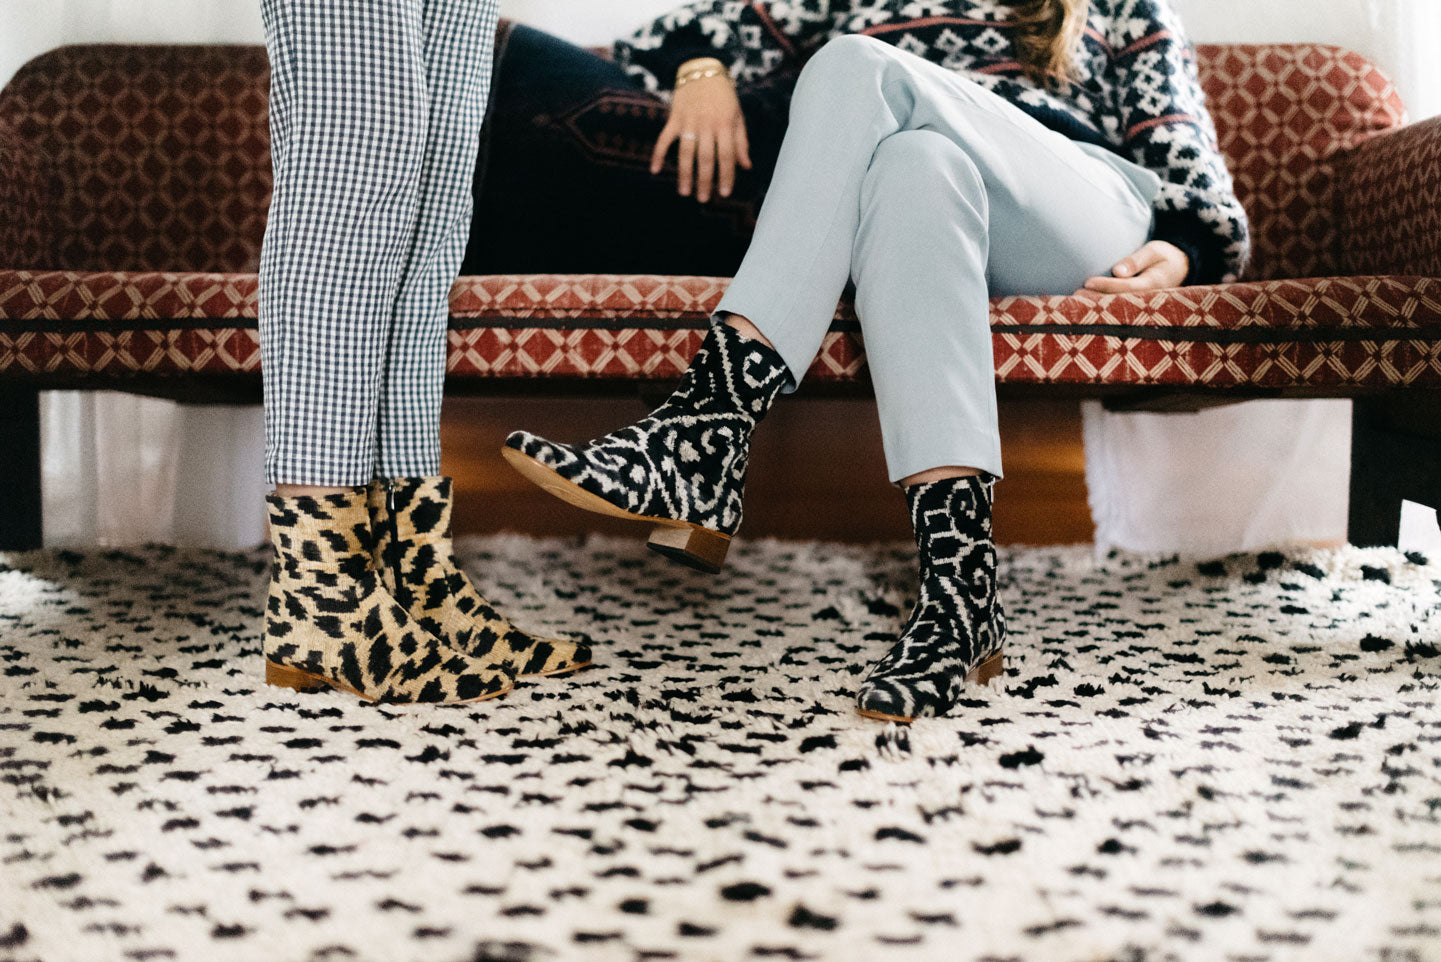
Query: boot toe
x=528, y=444
x=556, y=656
x=560, y=458
x=880, y=701
x=887, y=699
x=582, y=655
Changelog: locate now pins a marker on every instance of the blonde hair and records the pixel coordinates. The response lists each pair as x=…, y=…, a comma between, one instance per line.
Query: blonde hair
x=1048, y=33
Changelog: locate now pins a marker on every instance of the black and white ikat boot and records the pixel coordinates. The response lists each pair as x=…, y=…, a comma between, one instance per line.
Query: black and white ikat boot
x=957, y=628
x=682, y=468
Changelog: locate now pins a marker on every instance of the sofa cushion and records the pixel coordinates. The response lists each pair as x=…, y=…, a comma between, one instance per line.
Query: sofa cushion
x=1326, y=335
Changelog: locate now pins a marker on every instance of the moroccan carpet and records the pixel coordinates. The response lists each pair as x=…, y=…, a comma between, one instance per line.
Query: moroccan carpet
x=1237, y=760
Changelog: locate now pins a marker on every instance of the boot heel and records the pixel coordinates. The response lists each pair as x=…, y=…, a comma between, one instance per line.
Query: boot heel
x=987, y=670
x=697, y=547
x=283, y=676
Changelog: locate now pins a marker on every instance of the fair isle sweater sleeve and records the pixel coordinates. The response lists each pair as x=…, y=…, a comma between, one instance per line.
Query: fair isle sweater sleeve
x=1165, y=127
x=753, y=39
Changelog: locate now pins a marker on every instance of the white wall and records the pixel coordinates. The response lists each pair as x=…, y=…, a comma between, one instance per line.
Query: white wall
x=31, y=27
x=1402, y=36
x=28, y=27
x=586, y=22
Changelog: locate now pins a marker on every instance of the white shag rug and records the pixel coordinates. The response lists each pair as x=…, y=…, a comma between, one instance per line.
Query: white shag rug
x=1239, y=760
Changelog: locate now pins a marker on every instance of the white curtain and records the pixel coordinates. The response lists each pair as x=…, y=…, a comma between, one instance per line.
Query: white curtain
x=122, y=469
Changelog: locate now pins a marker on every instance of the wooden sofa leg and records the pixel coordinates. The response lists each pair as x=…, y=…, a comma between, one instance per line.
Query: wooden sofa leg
x=1395, y=457
x=20, y=528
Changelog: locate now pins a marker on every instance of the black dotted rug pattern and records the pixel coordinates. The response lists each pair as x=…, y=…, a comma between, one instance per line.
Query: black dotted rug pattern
x=1236, y=760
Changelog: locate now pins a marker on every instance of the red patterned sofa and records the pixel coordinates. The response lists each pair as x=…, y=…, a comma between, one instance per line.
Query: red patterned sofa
x=133, y=190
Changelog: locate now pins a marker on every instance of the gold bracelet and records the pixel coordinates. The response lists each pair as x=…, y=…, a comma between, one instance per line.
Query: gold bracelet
x=699, y=75
x=696, y=62
x=699, y=69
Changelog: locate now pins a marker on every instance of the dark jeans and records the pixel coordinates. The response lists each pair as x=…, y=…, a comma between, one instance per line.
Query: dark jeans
x=563, y=183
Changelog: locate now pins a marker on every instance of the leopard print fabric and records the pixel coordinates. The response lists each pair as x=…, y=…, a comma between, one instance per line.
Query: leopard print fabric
x=330, y=621
x=957, y=622
x=687, y=460
x=416, y=560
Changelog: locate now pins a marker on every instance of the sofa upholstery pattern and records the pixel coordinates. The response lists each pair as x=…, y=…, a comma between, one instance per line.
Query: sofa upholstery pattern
x=138, y=176
x=134, y=182
x=155, y=157
x=1394, y=223
x=1323, y=335
x=1285, y=116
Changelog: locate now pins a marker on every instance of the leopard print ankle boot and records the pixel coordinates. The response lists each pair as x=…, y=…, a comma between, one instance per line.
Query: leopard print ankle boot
x=683, y=468
x=329, y=622
x=957, y=627
x=411, y=518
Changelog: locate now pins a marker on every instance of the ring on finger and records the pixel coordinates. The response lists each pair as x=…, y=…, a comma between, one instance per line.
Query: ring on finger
x=688, y=137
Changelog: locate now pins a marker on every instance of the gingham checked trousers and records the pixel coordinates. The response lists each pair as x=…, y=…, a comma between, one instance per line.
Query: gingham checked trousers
x=375, y=115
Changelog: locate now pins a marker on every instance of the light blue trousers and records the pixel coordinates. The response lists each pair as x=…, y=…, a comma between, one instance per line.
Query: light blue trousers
x=933, y=194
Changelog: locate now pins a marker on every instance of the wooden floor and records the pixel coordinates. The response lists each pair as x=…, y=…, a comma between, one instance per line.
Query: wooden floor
x=816, y=470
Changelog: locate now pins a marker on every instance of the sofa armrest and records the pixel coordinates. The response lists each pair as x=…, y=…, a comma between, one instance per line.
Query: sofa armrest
x=25, y=197
x=1390, y=203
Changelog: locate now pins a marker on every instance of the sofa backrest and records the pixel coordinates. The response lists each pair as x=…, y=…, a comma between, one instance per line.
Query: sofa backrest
x=1282, y=111
x=159, y=155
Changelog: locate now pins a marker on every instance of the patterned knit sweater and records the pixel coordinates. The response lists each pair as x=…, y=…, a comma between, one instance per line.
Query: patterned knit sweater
x=1135, y=89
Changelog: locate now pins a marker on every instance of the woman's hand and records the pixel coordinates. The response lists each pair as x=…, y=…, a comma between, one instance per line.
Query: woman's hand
x=1158, y=264
x=705, y=118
